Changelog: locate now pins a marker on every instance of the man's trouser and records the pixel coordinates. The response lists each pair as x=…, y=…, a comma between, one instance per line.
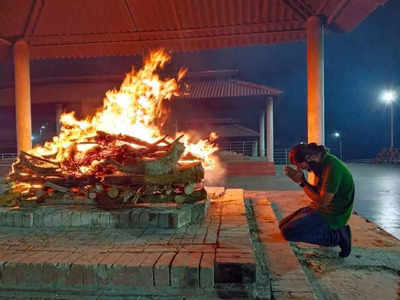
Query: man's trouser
x=306, y=225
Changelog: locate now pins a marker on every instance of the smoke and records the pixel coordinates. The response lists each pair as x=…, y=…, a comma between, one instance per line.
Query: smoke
x=215, y=176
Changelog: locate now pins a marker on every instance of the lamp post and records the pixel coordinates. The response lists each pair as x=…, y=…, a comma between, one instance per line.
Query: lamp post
x=389, y=97
x=337, y=136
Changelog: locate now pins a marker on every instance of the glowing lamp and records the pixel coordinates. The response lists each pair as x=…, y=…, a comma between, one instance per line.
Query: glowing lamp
x=388, y=96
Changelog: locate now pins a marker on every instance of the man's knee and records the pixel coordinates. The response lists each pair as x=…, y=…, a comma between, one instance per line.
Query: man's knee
x=281, y=224
x=286, y=232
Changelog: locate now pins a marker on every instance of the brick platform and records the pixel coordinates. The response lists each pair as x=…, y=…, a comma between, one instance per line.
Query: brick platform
x=287, y=277
x=161, y=215
x=212, y=259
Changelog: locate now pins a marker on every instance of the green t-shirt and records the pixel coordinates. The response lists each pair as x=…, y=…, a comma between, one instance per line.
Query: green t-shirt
x=336, y=179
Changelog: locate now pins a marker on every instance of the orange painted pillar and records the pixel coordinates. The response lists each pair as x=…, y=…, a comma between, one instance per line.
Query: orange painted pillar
x=315, y=80
x=270, y=129
x=22, y=96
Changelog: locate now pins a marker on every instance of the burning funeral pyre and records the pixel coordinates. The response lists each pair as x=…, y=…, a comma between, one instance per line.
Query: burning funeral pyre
x=118, y=156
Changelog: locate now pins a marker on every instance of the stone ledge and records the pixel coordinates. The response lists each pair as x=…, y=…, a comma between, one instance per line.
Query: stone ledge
x=142, y=216
x=198, y=261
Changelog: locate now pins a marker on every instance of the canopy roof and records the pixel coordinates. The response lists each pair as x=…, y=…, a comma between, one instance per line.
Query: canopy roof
x=89, y=28
x=214, y=84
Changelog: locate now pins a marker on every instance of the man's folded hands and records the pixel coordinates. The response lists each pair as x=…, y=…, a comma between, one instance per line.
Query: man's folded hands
x=294, y=174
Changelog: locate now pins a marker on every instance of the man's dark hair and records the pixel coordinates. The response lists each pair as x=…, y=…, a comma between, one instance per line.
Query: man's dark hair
x=299, y=152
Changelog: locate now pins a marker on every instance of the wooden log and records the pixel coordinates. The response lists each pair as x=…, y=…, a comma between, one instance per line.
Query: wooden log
x=190, y=157
x=40, y=158
x=166, y=163
x=180, y=199
x=118, y=180
x=5, y=187
x=9, y=199
x=73, y=181
x=189, y=188
x=32, y=179
x=106, y=137
x=128, y=195
x=99, y=188
x=155, y=146
x=188, y=174
x=56, y=187
x=92, y=194
x=32, y=201
x=113, y=192
x=40, y=193
x=136, y=198
x=160, y=166
x=194, y=197
x=58, y=198
x=40, y=170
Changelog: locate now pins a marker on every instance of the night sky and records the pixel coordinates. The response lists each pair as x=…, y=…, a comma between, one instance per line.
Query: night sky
x=358, y=66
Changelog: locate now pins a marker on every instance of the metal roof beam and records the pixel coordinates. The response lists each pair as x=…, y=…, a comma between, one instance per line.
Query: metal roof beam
x=128, y=8
x=5, y=42
x=132, y=47
x=339, y=8
x=300, y=8
x=322, y=7
x=148, y=36
x=33, y=18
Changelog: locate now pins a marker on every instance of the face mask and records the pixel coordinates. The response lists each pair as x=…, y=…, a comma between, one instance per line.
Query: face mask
x=315, y=167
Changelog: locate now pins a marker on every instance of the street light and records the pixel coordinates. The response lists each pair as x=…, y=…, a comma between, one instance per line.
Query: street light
x=389, y=97
x=337, y=135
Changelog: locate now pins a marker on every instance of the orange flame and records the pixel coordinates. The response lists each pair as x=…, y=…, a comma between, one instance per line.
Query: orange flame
x=137, y=109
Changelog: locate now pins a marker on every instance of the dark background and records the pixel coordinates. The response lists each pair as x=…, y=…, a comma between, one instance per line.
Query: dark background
x=358, y=66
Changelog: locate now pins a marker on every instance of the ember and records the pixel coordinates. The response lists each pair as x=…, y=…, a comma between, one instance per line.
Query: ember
x=119, y=156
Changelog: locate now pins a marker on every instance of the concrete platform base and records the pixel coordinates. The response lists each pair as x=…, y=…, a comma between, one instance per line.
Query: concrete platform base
x=235, y=252
x=161, y=215
x=211, y=258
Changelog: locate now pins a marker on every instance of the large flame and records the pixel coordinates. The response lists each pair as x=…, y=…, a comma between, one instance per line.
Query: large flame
x=137, y=109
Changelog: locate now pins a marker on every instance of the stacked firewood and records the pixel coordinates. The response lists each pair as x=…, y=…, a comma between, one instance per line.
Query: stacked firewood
x=117, y=171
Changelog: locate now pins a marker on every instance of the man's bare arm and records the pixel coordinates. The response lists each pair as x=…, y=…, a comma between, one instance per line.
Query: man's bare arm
x=319, y=195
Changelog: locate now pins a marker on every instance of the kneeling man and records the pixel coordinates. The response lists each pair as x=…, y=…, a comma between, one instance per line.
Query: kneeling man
x=332, y=196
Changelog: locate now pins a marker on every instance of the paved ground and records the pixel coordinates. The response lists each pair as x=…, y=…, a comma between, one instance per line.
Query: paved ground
x=377, y=191
x=283, y=270
x=372, y=271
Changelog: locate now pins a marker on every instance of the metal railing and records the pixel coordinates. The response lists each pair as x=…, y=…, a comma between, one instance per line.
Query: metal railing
x=281, y=156
x=243, y=147
x=6, y=159
x=250, y=148
x=5, y=156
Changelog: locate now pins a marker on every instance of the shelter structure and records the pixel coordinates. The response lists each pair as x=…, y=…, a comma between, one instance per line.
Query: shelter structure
x=219, y=94
x=208, y=102
x=42, y=29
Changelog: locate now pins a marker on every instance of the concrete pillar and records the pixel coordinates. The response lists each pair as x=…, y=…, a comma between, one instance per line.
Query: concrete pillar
x=22, y=96
x=315, y=80
x=262, y=134
x=270, y=130
x=254, y=148
x=59, y=109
